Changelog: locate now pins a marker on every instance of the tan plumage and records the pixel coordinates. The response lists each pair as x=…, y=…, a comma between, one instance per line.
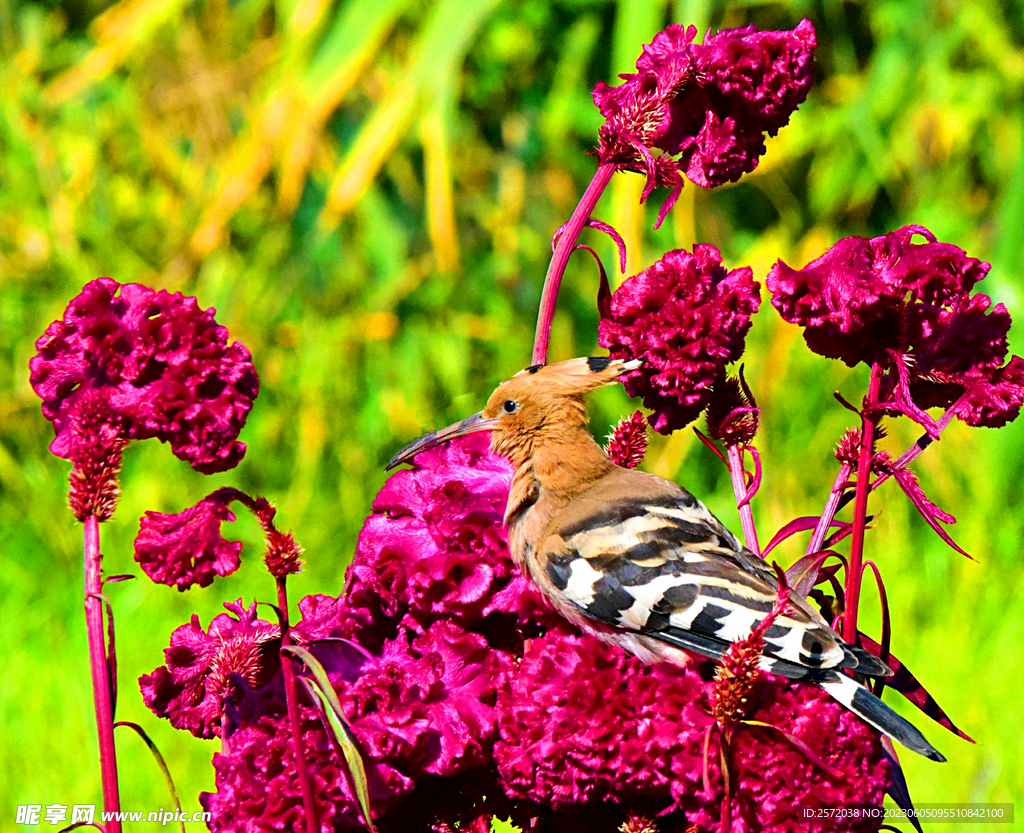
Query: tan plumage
x=637, y=560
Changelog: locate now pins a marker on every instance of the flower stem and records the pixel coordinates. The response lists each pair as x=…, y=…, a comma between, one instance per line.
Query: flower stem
x=292, y=699
x=915, y=451
x=560, y=258
x=835, y=497
x=103, y=702
x=831, y=507
x=739, y=488
x=860, y=506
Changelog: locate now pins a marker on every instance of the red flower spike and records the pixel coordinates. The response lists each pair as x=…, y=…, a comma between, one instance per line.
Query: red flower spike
x=96, y=446
x=627, y=444
x=732, y=414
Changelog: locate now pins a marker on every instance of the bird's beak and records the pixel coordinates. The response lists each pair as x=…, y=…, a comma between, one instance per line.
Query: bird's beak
x=470, y=425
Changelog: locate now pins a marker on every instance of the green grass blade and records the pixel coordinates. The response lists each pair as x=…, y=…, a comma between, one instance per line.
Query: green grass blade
x=160, y=762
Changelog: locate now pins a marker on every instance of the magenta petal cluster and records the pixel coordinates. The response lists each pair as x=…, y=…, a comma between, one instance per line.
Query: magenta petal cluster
x=687, y=316
x=186, y=549
x=422, y=707
x=165, y=366
x=435, y=546
x=908, y=306
x=703, y=109
x=258, y=788
x=585, y=723
x=208, y=671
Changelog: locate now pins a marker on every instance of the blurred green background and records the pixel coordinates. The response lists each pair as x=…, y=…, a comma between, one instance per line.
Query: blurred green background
x=366, y=191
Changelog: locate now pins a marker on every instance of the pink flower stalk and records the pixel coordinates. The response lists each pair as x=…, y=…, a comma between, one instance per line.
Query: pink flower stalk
x=206, y=672
x=627, y=444
x=687, y=316
x=165, y=366
x=703, y=109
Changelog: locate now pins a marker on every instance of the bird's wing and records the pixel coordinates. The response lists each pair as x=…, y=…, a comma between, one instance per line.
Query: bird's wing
x=662, y=565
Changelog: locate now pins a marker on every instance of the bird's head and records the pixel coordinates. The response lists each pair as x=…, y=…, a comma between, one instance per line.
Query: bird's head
x=540, y=401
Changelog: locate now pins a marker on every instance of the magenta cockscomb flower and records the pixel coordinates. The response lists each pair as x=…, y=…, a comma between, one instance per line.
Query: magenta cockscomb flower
x=583, y=723
x=208, y=671
x=687, y=316
x=435, y=547
x=627, y=444
x=421, y=709
x=258, y=787
x=908, y=307
x=165, y=366
x=187, y=548
x=703, y=109
x=427, y=704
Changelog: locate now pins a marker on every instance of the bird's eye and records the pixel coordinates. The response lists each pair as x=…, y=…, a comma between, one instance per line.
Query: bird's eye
x=510, y=406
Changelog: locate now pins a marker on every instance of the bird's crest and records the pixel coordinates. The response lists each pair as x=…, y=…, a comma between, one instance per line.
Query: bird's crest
x=576, y=377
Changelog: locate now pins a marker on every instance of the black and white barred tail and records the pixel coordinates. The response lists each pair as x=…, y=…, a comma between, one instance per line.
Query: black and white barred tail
x=874, y=712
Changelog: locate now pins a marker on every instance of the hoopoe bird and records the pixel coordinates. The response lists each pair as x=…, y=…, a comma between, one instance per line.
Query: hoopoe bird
x=637, y=560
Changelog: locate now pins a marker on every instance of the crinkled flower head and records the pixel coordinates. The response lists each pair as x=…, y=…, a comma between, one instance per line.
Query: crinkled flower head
x=187, y=548
x=583, y=723
x=434, y=547
x=206, y=672
x=420, y=710
x=705, y=107
x=907, y=305
x=258, y=785
x=687, y=316
x=165, y=365
x=426, y=704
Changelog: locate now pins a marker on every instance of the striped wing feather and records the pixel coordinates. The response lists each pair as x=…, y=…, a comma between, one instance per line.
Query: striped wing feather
x=654, y=560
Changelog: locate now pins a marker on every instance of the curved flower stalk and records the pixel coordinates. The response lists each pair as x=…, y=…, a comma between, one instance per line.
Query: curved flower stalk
x=702, y=109
x=128, y=363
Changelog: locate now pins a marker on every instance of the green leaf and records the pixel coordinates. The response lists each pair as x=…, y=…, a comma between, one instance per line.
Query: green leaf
x=323, y=695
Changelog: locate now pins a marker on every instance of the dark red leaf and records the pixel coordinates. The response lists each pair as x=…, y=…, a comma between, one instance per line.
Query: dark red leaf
x=801, y=524
x=906, y=684
x=898, y=790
